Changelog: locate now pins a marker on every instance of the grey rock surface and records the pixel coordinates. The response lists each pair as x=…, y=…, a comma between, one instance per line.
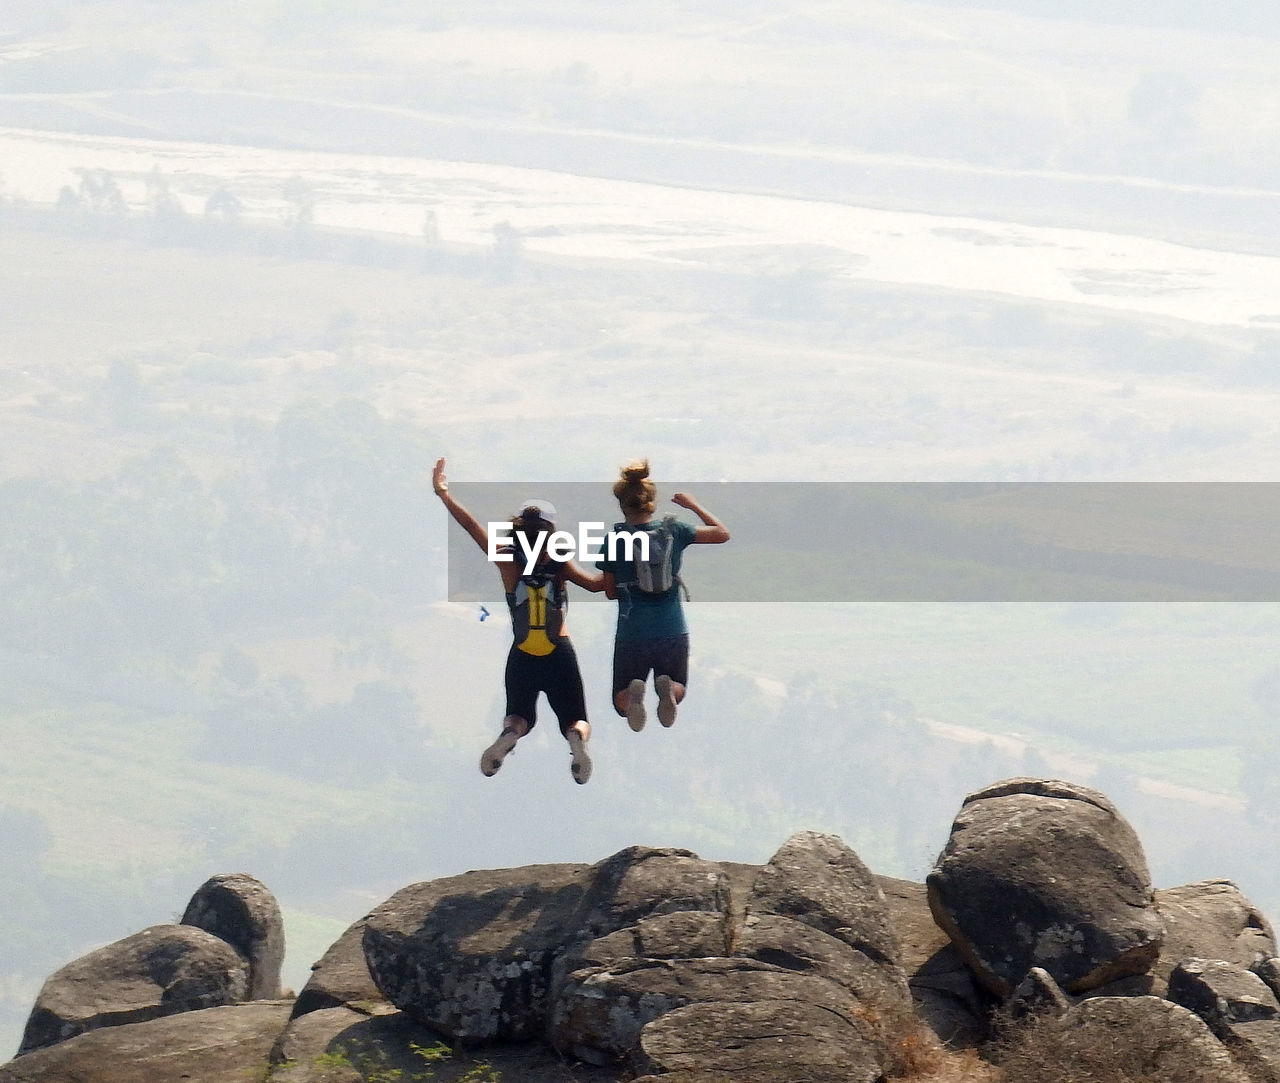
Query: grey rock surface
x=1044, y=873
x=340, y=977
x=1237, y=1006
x=239, y=909
x=1211, y=919
x=159, y=971
x=211, y=1045
x=761, y=1041
x=1143, y=1037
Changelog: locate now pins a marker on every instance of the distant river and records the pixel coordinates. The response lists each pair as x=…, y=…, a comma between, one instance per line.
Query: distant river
x=582, y=217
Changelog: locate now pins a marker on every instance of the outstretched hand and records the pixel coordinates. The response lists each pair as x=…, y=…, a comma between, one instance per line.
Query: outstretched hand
x=438, y=482
x=684, y=500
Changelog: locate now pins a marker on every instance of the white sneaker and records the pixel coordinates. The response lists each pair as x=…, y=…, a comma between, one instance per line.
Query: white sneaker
x=635, y=705
x=580, y=765
x=491, y=758
x=666, y=699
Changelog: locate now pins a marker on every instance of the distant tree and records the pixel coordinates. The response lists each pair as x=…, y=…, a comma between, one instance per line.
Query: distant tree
x=300, y=214
x=68, y=200
x=100, y=193
x=223, y=207
x=169, y=221
x=431, y=227
x=507, y=250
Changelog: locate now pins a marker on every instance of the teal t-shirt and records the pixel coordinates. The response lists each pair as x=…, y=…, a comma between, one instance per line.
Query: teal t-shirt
x=649, y=616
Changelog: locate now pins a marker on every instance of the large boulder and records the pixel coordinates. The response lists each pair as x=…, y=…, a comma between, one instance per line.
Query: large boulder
x=817, y=880
x=239, y=909
x=1045, y=873
x=159, y=971
x=472, y=955
x=812, y=941
x=213, y=1045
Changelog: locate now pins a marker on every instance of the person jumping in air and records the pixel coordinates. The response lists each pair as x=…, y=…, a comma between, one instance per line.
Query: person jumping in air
x=541, y=658
x=652, y=634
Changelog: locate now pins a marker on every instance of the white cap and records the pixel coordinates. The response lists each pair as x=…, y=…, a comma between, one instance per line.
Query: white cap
x=545, y=509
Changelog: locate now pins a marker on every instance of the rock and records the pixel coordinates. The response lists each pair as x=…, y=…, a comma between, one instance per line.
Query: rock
x=211, y=1045
x=817, y=880
x=159, y=971
x=641, y=881
x=1211, y=919
x=337, y=1045
x=800, y=948
x=1269, y=971
x=947, y=997
x=1141, y=1037
x=340, y=978
x=472, y=955
x=1045, y=873
x=603, y=995
x=1037, y=994
x=240, y=910
x=763, y=1041
x=1237, y=1006
x=606, y=1012
x=334, y=1045
x=811, y=912
x=1221, y=993
x=296, y=1056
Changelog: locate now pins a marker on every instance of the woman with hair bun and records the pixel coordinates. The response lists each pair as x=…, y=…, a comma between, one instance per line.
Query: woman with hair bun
x=652, y=635
x=541, y=659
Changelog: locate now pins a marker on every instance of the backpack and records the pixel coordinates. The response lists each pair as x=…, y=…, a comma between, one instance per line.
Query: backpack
x=655, y=576
x=537, y=607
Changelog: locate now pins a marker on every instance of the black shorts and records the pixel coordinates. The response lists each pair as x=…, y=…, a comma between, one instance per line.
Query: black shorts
x=555, y=674
x=634, y=658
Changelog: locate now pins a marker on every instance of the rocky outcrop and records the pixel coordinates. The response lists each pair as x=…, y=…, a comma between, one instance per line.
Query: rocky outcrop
x=761, y=1041
x=159, y=971
x=239, y=910
x=1237, y=1006
x=1143, y=1037
x=1211, y=919
x=1045, y=873
x=211, y=1045
x=471, y=955
x=659, y=964
x=340, y=978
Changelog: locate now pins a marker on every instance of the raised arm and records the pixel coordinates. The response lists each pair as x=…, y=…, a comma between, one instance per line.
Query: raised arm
x=712, y=532
x=464, y=518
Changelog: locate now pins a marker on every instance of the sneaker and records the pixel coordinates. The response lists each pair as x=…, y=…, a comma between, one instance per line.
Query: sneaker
x=580, y=765
x=635, y=705
x=666, y=700
x=491, y=758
